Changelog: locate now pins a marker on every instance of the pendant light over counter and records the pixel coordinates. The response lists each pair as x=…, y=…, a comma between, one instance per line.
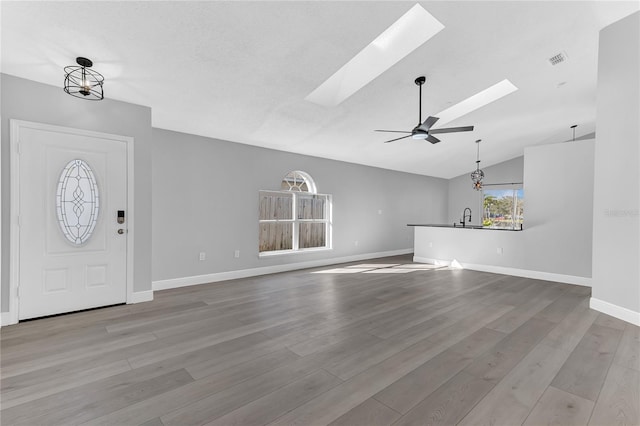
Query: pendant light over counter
x=478, y=174
x=82, y=82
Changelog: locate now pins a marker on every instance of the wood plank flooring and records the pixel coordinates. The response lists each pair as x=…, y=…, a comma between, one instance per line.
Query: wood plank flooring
x=367, y=345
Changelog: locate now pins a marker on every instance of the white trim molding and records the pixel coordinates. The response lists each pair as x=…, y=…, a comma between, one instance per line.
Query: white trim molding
x=140, y=296
x=252, y=272
x=525, y=273
x=6, y=319
x=616, y=311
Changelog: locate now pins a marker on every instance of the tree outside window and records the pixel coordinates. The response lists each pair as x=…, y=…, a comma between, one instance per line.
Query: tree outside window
x=503, y=208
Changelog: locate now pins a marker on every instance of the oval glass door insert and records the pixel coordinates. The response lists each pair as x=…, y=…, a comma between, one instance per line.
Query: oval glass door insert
x=77, y=202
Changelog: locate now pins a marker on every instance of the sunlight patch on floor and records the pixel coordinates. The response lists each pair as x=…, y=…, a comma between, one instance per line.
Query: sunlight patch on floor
x=389, y=271
x=342, y=271
x=381, y=268
x=420, y=266
x=374, y=265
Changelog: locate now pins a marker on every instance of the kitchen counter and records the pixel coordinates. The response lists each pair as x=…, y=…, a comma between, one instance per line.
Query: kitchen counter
x=458, y=226
x=476, y=247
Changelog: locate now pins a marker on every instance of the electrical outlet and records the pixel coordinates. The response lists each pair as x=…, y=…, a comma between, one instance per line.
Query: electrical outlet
x=203, y=255
x=430, y=244
x=236, y=254
x=379, y=211
x=499, y=250
x=355, y=243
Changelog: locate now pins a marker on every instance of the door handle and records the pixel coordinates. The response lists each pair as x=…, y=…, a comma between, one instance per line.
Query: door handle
x=120, y=231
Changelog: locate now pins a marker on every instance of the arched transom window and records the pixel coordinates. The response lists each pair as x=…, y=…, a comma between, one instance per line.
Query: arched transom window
x=299, y=182
x=296, y=218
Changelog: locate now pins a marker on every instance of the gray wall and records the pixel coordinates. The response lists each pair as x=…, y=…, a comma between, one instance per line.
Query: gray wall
x=31, y=101
x=205, y=199
x=461, y=193
x=616, y=230
x=558, y=206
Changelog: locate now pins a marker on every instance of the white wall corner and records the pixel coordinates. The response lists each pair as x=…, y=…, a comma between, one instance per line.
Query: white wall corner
x=253, y=272
x=141, y=296
x=615, y=311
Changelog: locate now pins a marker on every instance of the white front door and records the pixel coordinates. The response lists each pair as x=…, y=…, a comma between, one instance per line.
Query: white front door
x=72, y=188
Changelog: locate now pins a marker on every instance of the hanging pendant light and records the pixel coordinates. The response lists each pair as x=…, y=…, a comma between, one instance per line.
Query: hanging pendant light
x=83, y=82
x=477, y=175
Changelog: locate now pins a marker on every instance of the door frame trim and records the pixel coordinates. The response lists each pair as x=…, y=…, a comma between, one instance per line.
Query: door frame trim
x=14, y=245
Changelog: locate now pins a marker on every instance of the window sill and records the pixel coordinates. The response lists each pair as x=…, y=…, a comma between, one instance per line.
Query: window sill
x=286, y=252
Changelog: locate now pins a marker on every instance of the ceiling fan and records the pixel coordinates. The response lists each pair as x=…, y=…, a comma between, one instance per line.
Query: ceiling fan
x=423, y=129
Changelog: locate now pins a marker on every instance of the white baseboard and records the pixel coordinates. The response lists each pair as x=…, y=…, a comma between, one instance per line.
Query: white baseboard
x=244, y=273
x=141, y=296
x=136, y=297
x=616, y=311
x=6, y=319
x=431, y=261
x=525, y=273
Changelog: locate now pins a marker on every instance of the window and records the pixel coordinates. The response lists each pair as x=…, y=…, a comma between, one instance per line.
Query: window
x=77, y=202
x=295, y=218
x=503, y=208
x=299, y=182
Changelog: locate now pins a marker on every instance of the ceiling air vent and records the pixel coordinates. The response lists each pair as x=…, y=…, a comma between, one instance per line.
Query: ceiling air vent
x=556, y=59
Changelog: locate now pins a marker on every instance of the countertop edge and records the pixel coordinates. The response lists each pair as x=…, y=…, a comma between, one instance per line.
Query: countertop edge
x=475, y=227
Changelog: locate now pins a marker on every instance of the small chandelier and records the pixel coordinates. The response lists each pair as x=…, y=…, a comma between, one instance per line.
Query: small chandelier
x=477, y=175
x=82, y=82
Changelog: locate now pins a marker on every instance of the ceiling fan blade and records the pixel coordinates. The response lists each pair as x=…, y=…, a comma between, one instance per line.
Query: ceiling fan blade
x=432, y=139
x=430, y=121
x=392, y=131
x=451, y=130
x=397, y=139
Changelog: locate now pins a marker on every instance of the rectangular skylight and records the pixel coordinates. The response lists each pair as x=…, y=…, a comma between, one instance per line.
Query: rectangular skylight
x=405, y=35
x=476, y=101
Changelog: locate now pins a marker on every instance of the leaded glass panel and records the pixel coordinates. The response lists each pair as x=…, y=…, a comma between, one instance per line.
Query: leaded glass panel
x=77, y=202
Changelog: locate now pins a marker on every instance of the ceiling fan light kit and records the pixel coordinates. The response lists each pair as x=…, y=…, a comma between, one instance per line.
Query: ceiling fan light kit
x=423, y=130
x=419, y=135
x=82, y=82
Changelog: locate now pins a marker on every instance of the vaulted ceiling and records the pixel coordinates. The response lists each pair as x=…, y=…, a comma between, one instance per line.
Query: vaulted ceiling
x=240, y=71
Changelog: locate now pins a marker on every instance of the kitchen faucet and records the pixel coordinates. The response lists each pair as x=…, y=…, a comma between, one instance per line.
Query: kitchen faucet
x=464, y=216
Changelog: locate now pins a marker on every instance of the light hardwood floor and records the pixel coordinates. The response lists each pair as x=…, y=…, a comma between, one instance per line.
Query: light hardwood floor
x=371, y=347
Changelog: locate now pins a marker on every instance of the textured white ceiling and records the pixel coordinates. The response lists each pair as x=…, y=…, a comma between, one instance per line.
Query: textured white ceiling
x=240, y=71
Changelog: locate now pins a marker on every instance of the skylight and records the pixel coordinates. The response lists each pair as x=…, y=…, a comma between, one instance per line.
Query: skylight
x=476, y=101
x=405, y=35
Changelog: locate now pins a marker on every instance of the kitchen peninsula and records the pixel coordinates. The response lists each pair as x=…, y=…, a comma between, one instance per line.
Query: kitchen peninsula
x=470, y=246
x=496, y=250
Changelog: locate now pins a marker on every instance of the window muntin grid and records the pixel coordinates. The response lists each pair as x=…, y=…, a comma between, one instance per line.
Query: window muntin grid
x=298, y=181
x=296, y=218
